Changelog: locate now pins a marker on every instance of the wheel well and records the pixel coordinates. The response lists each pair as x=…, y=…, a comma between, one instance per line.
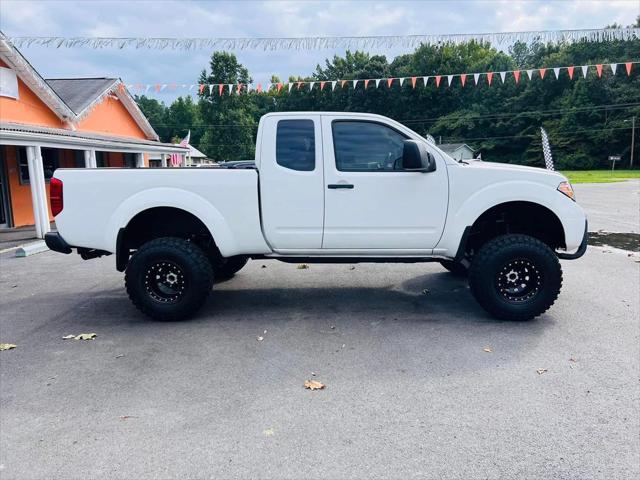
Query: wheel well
x=516, y=217
x=162, y=222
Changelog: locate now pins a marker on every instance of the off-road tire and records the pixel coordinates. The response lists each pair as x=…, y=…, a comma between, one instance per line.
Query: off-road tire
x=169, y=265
x=458, y=269
x=228, y=267
x=505, y=263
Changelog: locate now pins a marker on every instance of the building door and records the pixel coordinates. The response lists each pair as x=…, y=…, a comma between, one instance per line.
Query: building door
x=4, y=192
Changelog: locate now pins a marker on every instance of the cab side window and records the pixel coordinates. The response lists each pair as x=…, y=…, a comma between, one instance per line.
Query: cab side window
x=296, y=145
x=366, y=147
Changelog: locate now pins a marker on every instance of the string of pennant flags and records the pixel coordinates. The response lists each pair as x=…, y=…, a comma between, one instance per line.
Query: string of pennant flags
x=449, y=80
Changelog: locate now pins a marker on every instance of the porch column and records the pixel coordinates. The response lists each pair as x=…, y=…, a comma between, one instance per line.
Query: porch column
x=184, y=160
x=90, y=159
x=38, y=190
x=139, y=160
x=163, y=160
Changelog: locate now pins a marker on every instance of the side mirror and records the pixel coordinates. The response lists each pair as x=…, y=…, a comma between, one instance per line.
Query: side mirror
x=416, y=158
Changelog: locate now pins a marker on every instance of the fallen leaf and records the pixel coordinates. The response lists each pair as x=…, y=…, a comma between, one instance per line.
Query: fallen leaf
x=541, y=371
x=68, y=337
x=260, y=339
x=86, y=336
x=268, y=432
x=313, y=385
x=487, y=349
x=303, y=266
x=7, y=346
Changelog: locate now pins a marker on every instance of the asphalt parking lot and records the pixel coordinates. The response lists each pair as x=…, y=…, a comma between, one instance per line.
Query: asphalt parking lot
x=410, y=390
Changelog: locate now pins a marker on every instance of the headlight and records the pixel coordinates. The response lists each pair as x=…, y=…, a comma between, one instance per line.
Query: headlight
x=567, y=189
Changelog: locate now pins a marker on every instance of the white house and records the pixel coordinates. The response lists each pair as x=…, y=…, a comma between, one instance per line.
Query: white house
x=459, y=151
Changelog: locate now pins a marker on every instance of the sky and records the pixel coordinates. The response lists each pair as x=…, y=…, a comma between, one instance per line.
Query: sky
x=276, y=18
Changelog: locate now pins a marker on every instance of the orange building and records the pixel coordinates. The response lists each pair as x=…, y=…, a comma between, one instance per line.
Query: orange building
x=54, y=123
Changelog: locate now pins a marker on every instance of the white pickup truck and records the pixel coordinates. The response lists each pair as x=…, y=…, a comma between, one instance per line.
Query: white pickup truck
x=330, y=188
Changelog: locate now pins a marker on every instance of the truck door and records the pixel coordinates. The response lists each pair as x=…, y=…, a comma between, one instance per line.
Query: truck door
x=370, y=203
x=291, y=181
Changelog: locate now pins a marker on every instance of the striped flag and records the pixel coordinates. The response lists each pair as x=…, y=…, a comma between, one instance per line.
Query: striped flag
x=546, y=150
x=176, y=158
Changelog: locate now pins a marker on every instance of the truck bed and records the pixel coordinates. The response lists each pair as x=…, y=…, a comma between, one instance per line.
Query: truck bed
x=98, y=202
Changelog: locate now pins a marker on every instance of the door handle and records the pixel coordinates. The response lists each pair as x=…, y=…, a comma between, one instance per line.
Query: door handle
x=333, y=186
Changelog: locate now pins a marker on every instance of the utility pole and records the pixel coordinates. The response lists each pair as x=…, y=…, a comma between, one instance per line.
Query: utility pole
x=633, y=139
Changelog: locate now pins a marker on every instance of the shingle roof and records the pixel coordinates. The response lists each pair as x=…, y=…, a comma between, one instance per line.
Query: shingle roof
x=452, y=147
x=79, y=93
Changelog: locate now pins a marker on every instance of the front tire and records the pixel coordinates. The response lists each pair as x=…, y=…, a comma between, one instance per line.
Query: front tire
x=169, y=278
x=515, y=277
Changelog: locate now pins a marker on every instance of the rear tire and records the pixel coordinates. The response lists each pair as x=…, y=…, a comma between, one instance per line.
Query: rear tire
x=458, y=269
x=230, y=266
x=169, y=278
x=515, y=277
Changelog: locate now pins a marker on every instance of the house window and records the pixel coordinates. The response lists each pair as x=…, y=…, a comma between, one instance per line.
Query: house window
x=50, y=161
x=129, y=160
x=78, y=159
x=101, y=160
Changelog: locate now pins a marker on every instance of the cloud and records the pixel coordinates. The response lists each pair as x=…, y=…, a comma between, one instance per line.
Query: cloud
x=269, y=19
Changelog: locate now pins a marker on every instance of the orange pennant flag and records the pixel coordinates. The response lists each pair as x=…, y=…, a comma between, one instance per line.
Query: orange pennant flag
x=342, y=82
x=463, y=78
x=438, y=78
x=220, y=89
x=279, y=87
x=599, y=69
x=413, y=82
x=516, y=75
x=570, y=71
x=389, y=82
x=489, y=77
x=366, y=83
x=259, y=88
x=158, y=87
x=627, y=65
x=239, y=89
x=542, y=72
x=299, y=84
x=201, y=88
x=322, y=85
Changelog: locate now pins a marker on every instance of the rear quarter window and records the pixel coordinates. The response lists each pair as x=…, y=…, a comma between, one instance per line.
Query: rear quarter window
x=296, y=145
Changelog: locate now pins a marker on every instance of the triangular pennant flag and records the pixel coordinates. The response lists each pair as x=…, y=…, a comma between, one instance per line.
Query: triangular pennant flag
x=289, y=87
x=425, y=80
x=389, y=82
x=378, y=82
x=269, y=85
x=627, y=65
x=299, y=85
x=210, y=89
x=239, y=89
x=366, y=83
x=463, y=78
x=230, y=88
x=413, y=82
x=438, y=78
x=570, y=71
x=449, y=79
x=489, y=77
x=355, y=83
x=333, y=85
x=542, y=72
x=251, y=88
x=202, y=88
x=220, y=89
x=157, y=87
x=322, y=85
x=584, y=69
x=278, y=87
x=556, y=71
x=599, y=69
x=259, y=88
x=343, y=83
x=476, y=77
x=503, y=75
x=402, y=81
x=516, y=75
x=530, y=74
x=614, y=67
x=148, y=87
x=311, y=84
x=164, y=85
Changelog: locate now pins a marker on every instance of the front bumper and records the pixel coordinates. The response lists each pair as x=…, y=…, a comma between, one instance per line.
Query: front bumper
x=581, y=249
x=56, y=243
